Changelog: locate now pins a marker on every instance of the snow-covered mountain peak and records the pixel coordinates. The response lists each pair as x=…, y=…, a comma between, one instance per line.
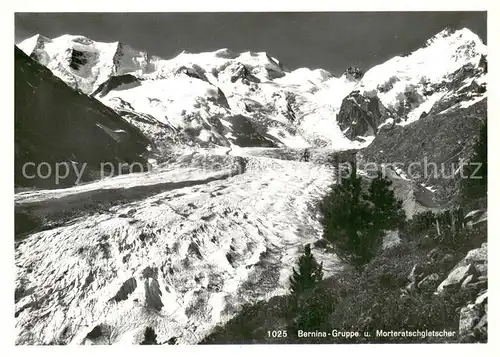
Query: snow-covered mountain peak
x=455, y=36
x=30, y=44
x=419, y=79
x=84, y=63
x=199, y=95
x=440, y=56
x=74, y=38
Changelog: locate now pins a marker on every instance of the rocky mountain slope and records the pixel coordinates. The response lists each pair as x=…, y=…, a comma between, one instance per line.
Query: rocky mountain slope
x=432, y=150
x=55, y=124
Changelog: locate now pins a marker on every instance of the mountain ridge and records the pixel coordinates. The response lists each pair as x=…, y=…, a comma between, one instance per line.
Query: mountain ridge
x=196, y=95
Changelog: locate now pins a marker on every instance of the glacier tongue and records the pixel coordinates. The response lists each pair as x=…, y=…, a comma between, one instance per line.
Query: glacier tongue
x=180, y=261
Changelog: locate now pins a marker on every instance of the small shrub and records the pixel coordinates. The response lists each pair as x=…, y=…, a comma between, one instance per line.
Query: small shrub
x=464, y=240
x=389, y=310
x=419, y=223
x=312, y=311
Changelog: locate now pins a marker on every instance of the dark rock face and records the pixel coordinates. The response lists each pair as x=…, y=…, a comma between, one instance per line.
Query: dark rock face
x=353, y=73
x=242, y=72
x=95, y=333
x=153, y=294
x=291, y=107
x=77, y=59
x=410, y=100
x=55, y=124
x=458, y=91
x=194, y=71
x=116, y=81
x=126, y=289
x=118, y=60
x=387, y=85
x=483, y=63
x=246, y=133
x=99, y=335
x=221, y=99
x=149, y=337
x=273, y=74
x=360, y=115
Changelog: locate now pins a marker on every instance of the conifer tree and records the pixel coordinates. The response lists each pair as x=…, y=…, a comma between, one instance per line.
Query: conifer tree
x=149, y=337
x=309, y=272
x=476, y=180
x=347, y=218
x=385, y=213
x=387, y=210
x=356, y=222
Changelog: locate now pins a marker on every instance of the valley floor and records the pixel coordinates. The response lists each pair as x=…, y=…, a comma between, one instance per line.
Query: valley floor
x=179, y=249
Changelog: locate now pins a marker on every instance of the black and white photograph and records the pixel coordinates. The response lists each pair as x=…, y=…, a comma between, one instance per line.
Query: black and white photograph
x=236, y=178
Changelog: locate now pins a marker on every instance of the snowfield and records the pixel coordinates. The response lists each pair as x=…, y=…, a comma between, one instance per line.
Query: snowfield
x=224, y=231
